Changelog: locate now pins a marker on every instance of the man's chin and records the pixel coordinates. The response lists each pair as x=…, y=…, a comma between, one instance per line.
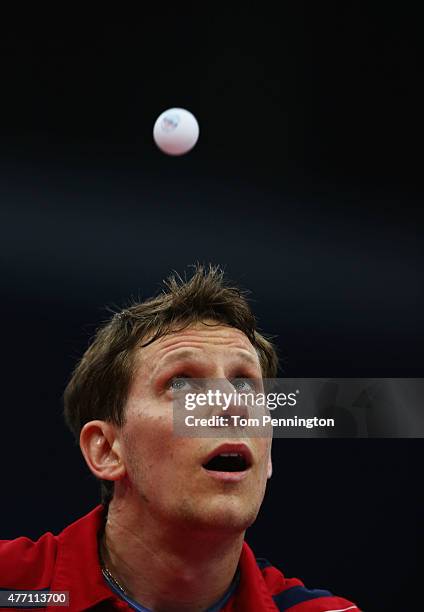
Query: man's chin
x=225, y=516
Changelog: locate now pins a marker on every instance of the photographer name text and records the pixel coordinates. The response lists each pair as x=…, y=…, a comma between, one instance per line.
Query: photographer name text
x=235, y=420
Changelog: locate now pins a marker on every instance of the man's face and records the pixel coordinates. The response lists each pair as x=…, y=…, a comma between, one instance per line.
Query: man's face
x=165, y=473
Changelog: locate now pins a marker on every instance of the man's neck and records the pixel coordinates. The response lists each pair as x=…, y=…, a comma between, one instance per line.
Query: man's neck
x=168, y=567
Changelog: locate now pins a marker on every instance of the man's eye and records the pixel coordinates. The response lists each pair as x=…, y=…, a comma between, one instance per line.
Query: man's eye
x=178, y=383
x=243, y=385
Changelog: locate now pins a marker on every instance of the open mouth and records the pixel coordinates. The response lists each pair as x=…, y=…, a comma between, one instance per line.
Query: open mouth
x=229, y=460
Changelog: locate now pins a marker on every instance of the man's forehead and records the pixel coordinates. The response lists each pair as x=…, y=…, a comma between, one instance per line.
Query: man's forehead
x=205, y=335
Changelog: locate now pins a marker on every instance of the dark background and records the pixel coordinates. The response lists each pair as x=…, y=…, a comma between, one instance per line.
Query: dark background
x=305, y=184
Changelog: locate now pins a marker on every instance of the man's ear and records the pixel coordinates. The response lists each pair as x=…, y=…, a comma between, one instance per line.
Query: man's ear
x=101, y=449
x=269, y=471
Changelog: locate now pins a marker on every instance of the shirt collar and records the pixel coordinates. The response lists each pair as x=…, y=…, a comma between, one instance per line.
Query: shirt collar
x=253, y=593
x=77, y=568
x=78, y=571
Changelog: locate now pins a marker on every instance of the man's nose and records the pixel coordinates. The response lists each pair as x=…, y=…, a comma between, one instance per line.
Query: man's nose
x=229, y=402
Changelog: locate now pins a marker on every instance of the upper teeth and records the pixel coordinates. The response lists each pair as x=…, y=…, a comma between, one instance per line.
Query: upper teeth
x=230, y=454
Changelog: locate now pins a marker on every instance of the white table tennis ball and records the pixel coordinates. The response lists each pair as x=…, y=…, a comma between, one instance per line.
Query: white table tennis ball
x=176, y=131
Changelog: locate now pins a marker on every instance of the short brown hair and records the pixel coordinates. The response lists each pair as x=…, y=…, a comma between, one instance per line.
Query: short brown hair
x=100, y=382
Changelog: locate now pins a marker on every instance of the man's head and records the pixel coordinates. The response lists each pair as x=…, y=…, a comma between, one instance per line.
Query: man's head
x=118, y=402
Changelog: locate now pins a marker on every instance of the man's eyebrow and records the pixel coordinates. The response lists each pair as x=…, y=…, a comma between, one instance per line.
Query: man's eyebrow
x=175, y=356
x=183, y=354
x=246, y=356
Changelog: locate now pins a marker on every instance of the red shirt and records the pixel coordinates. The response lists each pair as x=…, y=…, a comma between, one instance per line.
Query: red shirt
x=69, y=562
